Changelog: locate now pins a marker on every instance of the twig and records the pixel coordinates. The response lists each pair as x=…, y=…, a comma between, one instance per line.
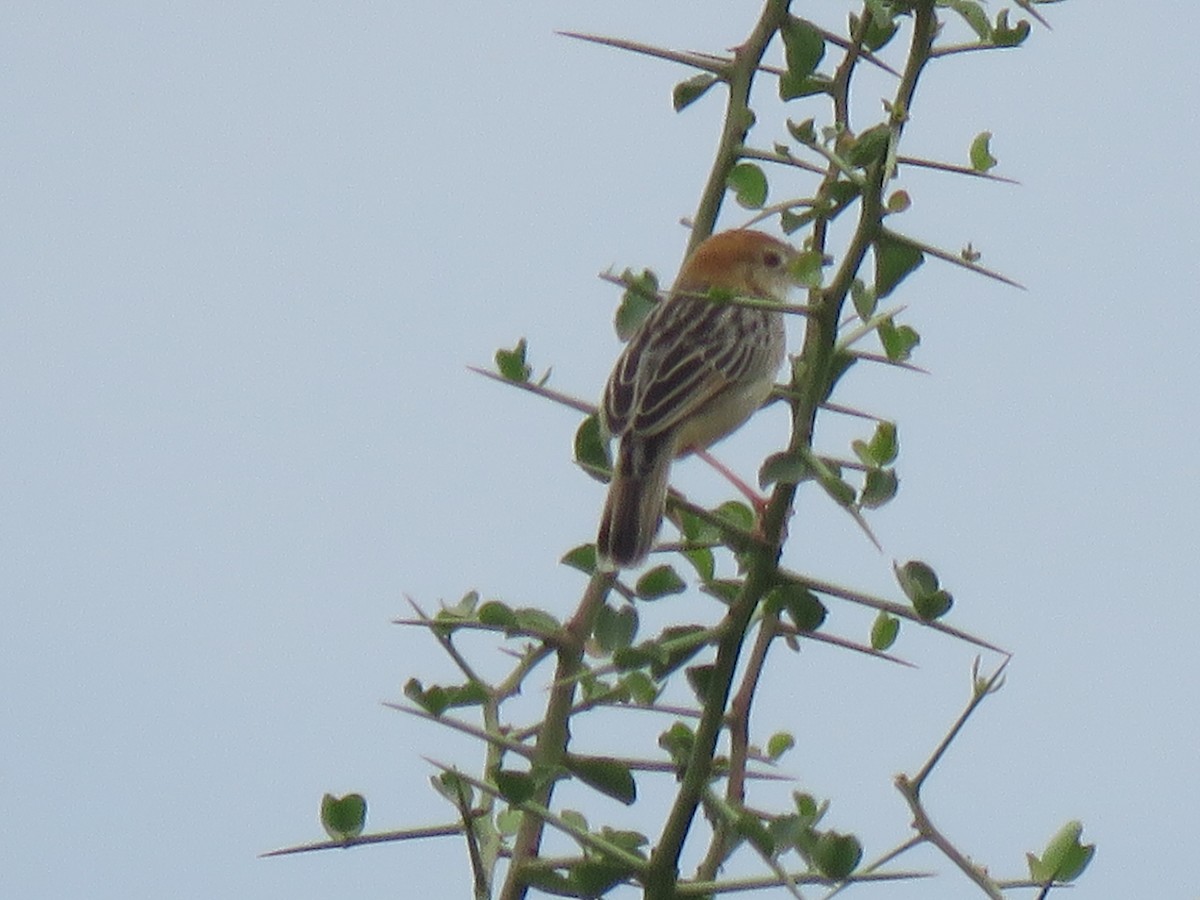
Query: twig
x=703, y=61
x=910, y=788
x=554, y=735
x=740, y=885
x=452, y=829
x=541, y=390
x=951, y=167
x=953, y=259
x=898, y=610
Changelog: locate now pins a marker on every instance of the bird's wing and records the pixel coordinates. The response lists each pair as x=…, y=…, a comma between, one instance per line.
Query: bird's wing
x=688, y=352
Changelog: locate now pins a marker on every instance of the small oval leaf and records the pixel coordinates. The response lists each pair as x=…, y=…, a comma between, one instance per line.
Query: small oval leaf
x=609, y=776
x=343, y=818
x=884, y=631
x=981, y=157
x=511, y=363
x=689, y=91
x=661, y=581
x=749, y=185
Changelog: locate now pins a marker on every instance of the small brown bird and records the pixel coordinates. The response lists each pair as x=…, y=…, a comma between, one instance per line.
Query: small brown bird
x=693, y=372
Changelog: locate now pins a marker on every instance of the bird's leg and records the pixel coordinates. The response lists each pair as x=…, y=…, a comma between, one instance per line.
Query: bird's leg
x=757, y=500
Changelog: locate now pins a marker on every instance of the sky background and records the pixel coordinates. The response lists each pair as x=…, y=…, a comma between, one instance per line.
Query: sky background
x=248, y=251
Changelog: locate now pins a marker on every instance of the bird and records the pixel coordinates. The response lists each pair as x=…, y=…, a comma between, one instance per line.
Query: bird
x=694, y=370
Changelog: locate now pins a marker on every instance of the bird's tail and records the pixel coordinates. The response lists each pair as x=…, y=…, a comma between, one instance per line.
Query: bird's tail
x=636, y=495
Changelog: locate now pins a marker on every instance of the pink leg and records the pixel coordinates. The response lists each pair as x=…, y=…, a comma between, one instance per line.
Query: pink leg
x=758, y=501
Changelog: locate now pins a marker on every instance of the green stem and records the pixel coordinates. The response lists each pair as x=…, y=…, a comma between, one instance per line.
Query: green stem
x=739, y=118
x=663, y=871
x=739, y=746
x=555, y=734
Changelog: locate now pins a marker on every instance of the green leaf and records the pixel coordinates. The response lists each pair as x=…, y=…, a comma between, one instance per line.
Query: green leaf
x=894, y=261
x=508, y=821
x=842, y=192
x=917, y=579
x=592, y=688
x=778, y=744
x=1003, y=36
x=808, y=807
x=885, y=446
x=839, y=490
x=801, y=605
x=661, y=581
x=1064, y=858
x=792, y=222
x=736, y=513
x=677, y=741
x=881, y=29
x=629, y=841
x=882, y=449
x=981, y=156
x=515, y=787
x=898, y=340
x=451, y=786
x=752, y=829
x=472, y=693
x=802, y=132
x=806, y=268
x=551, y=882
x=582, y=558
x=789, y=831
x=884, y=631
x=749, y=184
x=724, y=589
x=437, y=699
x=595, y=877
x=463, y=609
x=640, y=297
x=343, y=818
x=679, y=643
x=536, y=622
x=644, y=654
x=699, y=679
x=836, y=855
x=783, y=468
x=839, y=365
x=591, y=449
x=607, y=775
x=973, y=14
x=497, y=615
x=879, y=487
x=434, y=700
x=864, y=299
x=793, y=89
x=869, y=147
x=575, y=818
x=702, y=561
x=692, y=89
x=511, y=363
x=920, y=584
x=803, y=48
x=696, y=529
x=615, y=628
x=933, y=606
x=641, y=688
x=898, y=202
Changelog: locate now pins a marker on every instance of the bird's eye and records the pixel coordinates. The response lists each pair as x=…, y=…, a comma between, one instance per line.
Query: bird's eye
x=772, y=260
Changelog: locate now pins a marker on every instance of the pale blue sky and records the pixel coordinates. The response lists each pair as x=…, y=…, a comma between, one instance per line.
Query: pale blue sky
x=247, y=253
